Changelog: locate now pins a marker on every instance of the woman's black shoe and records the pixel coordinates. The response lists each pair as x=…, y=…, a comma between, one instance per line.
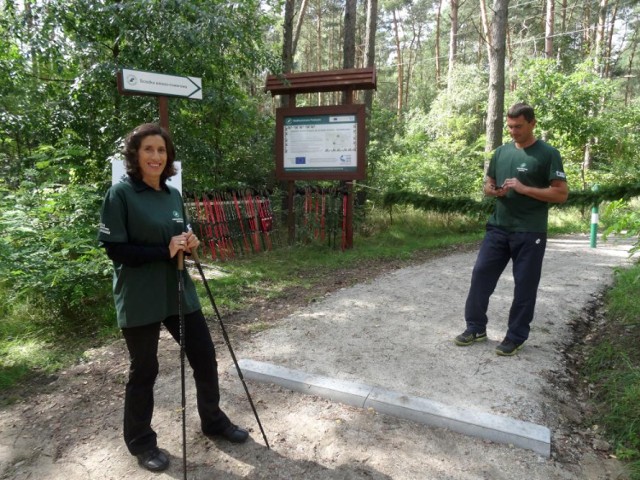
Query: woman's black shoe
x=232, y=433
x=235, y=434
x=153, y=460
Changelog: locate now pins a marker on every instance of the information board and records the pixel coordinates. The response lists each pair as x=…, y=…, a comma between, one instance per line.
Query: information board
x=323, y=143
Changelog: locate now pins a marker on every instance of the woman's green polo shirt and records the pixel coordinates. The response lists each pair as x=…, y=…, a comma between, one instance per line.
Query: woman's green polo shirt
x=133, y=212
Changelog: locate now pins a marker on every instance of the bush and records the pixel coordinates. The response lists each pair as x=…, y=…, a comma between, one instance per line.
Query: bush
x=50, y=256
x=622, y=217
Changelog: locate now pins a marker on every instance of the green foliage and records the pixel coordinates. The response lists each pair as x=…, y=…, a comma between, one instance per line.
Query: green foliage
x=588, y=198
x=623, y=218
x=436, y=152
x=27, y=345
x=460, y=205
x=613, y=366
x=577, y=109
x=61, y=119
x=54, y=279
x=458, y=113
x=622, y=301
x=50, y=255
x=425, y=161
x=68, y=84
x=384, y=132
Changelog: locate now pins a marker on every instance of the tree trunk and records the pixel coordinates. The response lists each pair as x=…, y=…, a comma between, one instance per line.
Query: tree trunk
x=410, y=62
x=349, y=46
x=600, y=29
x=548, y=35
x=587, y=27
x=514, y=83
x=349, y=51
x=287, y=36
x=400, y=79
x=608, y=53
x=627, y=89
x=563, y=17
x=485, y=27
x=287, y=45
x=35, y=58
x=296, y=37
x=370, y=48
x=495, y=110
x=438, y=66
x=319, y=46
x=453, y=41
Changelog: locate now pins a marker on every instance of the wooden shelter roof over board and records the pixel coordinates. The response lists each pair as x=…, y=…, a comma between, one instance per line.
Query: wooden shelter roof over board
x=328, y=81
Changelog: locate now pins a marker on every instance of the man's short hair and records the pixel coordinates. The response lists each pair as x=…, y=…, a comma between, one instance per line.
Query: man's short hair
x=522, y=109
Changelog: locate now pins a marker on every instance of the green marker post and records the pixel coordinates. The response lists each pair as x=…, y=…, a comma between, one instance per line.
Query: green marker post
x=594, y=221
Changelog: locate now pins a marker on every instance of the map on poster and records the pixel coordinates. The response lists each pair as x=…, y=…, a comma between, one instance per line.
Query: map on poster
x=320, y=143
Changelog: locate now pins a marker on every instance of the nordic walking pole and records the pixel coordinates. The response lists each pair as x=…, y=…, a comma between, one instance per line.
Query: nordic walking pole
x=196, y=259
x=182, y=341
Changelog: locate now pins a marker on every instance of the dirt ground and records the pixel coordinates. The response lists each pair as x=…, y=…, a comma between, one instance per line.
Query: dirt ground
x=388, y=325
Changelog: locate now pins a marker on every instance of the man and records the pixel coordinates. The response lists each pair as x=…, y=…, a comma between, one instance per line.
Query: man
x=525, y=176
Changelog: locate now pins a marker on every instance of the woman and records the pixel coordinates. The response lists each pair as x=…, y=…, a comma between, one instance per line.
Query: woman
x=143, y=228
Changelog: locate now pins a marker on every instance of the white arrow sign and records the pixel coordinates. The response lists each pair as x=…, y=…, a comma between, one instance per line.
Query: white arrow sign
x=161, y=84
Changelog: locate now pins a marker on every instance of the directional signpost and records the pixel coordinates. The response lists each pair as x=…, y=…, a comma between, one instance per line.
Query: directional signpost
x=139, y=82
x=149, y=83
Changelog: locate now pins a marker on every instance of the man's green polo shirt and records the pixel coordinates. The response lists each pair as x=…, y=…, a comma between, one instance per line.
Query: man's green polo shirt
x=133, y=212
x=534, y=166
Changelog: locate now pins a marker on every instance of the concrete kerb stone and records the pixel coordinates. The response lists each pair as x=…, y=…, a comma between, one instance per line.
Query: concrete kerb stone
x=468, y=422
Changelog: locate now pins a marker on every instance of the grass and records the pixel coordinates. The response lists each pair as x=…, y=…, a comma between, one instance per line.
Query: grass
x=613, y=366
x=32, y=344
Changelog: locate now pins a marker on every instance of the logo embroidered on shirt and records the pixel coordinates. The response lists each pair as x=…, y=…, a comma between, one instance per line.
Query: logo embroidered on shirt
x=176, y=217
x=104, y=229
x=523, y=167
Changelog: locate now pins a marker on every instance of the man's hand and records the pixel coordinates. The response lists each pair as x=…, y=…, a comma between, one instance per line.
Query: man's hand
x=557, y=192
x=491, y=189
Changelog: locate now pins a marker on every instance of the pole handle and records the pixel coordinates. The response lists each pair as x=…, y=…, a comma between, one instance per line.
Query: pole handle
x=181, y=260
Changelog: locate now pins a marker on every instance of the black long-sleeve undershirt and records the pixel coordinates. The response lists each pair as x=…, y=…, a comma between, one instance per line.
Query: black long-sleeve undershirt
x=133, y=255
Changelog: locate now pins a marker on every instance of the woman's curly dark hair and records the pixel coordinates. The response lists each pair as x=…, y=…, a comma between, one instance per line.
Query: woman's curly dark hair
x=132, y=145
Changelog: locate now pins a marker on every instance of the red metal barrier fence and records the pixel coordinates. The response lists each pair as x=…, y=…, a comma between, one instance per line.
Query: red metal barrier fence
x=233, y=224
x=320, y=216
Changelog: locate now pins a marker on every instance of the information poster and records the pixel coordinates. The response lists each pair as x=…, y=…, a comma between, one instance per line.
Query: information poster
x=315, y=143
x=321, y=143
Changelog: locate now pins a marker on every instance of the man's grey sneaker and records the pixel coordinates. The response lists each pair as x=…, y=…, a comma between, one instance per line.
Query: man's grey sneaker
x=467, y=338
x=508, y=348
